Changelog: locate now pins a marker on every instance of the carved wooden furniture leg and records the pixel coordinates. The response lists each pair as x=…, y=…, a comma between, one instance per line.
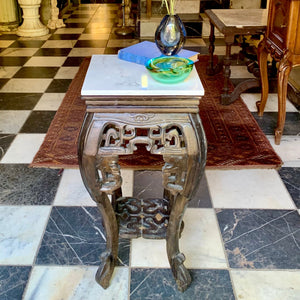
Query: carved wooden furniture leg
x=211, y=69
x=211, y=49
x=284, y=70
x=99, y=186
x=181, y=175
x=225, y=96
x=263, y=67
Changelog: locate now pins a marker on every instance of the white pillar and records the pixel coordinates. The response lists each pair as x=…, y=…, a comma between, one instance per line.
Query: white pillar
x=9, y=20
x=31, y=25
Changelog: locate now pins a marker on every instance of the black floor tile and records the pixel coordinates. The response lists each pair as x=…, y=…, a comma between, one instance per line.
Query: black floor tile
x=27, y=44
x=91, y=44
x=13, y=60
x=147, y=184
x=19, y=101
x=114, y=36
x=3, y=81
x=291, y=179
x=112, y=50
x=75, y=236
x=73, y=61
x=261, y=239
x=53, y=52
x=38, y=122
x=268, y=123
x=9, y=37
x=13, y=280
x=76, y=25
x=202, y=197
x=79, y=16
x=159, y=284
x=64, y=36
x=21, y=185
x=36, y=72
x=59, y=86
x=5, y=141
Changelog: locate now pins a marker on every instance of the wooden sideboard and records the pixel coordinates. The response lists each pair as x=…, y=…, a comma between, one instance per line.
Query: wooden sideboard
x=282, y=42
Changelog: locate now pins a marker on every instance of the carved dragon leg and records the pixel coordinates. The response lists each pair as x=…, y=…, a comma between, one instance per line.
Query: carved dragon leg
x=89, y=163
x=181, y=177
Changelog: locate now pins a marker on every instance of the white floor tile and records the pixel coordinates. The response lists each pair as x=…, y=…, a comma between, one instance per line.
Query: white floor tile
x=66, y=73
x=40, y=61
x=8, y=72
x=288, y=150
x=71, y=190
x=86, y=51
x=23, y=149
x=35, y=38
x=271, y=105
x=200, y=243
x=221, y=50
x=194, y=42
x=266, y=285
x=19, y=52
x=59, y=44
x=240, y=72
x=26, y=85
x=69, y=31
x=49, y=101
x=127, y=183
x=75, y=283
x=5, y=44
x=11, y=121
x=254, y=189
x=21, y=229
x=121, y=43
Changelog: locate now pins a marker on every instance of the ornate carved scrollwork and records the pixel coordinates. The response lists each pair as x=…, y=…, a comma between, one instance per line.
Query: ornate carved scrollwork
x=147, y=218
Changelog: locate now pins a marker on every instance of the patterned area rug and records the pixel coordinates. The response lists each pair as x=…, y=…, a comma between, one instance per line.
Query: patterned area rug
x=234, y=138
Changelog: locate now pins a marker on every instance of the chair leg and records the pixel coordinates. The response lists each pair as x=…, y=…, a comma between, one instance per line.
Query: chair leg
x=284, y=70
x=262, y=60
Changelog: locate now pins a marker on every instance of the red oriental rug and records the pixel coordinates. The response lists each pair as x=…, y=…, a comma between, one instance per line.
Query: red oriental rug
x=234, y=139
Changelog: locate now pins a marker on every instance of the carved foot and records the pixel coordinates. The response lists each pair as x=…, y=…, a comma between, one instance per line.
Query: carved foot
x=181, y=274
x=258, y=103
x=225, y=99
x=105, y=270
x=278, y=135
x=214, y=70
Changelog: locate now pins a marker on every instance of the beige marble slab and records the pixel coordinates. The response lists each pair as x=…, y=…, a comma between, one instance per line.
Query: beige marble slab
x=242, y=17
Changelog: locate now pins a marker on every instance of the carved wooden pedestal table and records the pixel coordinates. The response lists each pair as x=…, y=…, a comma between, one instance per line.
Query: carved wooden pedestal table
x=232, y=22
x=126, y=108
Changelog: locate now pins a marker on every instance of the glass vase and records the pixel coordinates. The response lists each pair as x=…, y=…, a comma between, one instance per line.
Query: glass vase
x=170, y=35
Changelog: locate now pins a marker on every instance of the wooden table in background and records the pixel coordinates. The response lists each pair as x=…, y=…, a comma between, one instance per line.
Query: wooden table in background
x=232, y=22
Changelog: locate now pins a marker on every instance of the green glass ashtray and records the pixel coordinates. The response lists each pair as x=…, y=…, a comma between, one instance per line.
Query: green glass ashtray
x=169, y=69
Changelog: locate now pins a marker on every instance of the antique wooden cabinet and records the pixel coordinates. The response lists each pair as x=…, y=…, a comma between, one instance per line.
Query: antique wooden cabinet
x=282, y=42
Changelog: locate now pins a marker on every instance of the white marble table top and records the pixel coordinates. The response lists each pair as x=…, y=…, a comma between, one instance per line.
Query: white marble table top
x=242, y=17
x=111, y=76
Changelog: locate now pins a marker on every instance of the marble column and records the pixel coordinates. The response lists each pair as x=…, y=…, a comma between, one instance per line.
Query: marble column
x=9, y=18
x=31, y=25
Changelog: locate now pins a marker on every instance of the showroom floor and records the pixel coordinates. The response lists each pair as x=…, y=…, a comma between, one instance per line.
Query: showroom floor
x=242, y=231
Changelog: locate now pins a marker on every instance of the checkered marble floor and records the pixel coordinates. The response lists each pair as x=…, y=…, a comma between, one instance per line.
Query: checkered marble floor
x=242, y=229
